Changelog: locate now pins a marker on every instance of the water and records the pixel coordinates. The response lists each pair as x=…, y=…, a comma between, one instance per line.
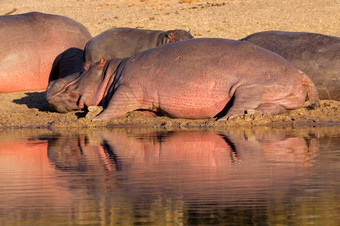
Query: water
x=125, y=177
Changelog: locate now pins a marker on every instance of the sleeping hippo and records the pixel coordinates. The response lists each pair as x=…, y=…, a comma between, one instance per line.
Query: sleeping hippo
x=125, y=42
x=315, y=54
x=197, y=78
x=30, y=43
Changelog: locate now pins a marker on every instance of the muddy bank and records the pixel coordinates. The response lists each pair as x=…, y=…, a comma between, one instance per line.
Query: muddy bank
x=31, y=110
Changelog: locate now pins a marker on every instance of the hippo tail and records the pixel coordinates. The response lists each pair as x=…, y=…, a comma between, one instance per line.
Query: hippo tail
x=312, y=92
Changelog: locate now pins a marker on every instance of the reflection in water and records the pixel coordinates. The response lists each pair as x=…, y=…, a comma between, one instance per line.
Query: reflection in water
x=182, y=177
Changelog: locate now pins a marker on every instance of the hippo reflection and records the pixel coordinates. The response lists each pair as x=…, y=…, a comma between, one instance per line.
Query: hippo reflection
x=148, y=172
x=72, y=154
x=108, y=175
x=185, y=158
x=188, y=149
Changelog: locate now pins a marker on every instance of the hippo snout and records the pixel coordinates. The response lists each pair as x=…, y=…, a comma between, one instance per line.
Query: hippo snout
x=59, y=96
x=63, y=104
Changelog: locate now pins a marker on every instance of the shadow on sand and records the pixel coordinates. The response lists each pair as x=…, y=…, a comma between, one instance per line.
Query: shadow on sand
x=34, y=100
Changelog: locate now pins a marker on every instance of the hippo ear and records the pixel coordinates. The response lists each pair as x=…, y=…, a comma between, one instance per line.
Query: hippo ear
x=102, y=61
x=87, y=66
x=171, y=36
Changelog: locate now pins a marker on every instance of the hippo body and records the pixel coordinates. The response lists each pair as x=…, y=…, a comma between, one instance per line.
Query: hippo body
x=68, y=62
x=125, y=42
x=315, y=54
x=198, y=78
x=30, y=43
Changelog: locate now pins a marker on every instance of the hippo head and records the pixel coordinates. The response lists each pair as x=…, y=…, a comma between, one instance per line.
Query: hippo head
x=173, y=36
x=79, y=90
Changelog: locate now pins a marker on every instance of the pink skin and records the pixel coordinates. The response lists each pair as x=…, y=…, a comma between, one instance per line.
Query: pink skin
x=67, y=94
x=30, y=43
x=192, y=79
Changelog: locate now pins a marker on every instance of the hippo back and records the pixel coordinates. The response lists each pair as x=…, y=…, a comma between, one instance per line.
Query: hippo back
x=124, y=42
x=315, y=54
x=30, y=43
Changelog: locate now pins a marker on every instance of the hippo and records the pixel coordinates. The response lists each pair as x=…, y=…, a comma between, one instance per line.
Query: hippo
x=124, y=42
x=30, y=43
x=68, y=62
x=315, y=54
x=195, y=79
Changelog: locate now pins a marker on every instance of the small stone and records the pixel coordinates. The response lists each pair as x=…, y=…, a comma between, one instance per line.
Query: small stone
x=250, y=111
x=93, y=111
x=95, y=108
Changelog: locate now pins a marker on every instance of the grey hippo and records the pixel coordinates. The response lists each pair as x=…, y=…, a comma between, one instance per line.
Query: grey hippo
x=315, y=54
x=197, y=78
x=124, y=42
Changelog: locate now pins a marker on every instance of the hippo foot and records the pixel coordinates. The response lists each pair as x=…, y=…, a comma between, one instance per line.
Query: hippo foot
x=227, y=118
x=251, y=112
x=232, y=115
x=93, y=111
x=311, y=106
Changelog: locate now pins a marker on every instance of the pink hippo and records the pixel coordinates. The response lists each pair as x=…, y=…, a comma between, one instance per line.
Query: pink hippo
x=30, y=43
x=196, y=78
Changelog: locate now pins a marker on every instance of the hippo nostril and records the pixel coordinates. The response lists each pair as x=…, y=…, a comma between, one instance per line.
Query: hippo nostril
x=80, y=102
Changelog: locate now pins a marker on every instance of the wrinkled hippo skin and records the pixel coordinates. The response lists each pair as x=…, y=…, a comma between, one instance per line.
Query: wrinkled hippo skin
x=125, y=42
x=30, y=43
x=315, y=54
x=197, y=78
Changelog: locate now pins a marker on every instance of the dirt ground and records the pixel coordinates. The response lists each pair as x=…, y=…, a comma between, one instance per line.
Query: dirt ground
x=232, y=19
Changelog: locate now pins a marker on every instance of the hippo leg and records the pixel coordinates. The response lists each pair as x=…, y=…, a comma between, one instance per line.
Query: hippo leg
x=249, y=98
x=270, y=108
x=122, y=102
x=244, y=99
x=267, y=108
